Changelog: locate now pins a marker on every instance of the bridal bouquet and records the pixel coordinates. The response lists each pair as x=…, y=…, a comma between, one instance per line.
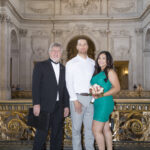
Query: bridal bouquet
x=96, y=90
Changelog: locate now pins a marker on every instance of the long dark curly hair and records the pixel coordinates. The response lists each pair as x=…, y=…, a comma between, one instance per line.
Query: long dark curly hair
x=109, y=62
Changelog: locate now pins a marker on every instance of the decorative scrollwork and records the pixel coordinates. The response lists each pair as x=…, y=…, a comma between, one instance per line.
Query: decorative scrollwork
x=68, y=128
x=129, y=121
x=14, y=126
x=132, y=126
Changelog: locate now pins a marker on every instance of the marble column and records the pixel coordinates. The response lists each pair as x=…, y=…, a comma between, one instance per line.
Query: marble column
x=139, y=63
x=23, y=49
x=5, y=90
x=146, y=68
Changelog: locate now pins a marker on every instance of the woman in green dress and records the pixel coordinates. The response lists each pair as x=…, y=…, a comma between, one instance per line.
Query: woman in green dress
x=106, y=77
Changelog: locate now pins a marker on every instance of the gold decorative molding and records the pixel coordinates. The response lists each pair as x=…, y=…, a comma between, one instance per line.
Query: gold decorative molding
x=131, y=125
x=129, y=121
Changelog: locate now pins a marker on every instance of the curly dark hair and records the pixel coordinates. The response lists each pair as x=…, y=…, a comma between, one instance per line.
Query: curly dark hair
x=109, y=62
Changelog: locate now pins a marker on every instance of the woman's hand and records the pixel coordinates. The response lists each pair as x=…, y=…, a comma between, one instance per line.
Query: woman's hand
x=96, y=90
x=96, y=96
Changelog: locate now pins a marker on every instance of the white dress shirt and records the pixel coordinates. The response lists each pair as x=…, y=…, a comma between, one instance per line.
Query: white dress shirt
x=56, y=68
x=79, y=72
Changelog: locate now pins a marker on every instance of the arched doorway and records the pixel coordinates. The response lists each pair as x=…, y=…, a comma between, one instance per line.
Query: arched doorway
x=121, y=68
x=14, y=60
x=146, y=61
x=72, y=51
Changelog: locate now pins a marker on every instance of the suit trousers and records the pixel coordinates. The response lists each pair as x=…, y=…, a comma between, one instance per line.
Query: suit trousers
x=56, y=127
x=86, y=117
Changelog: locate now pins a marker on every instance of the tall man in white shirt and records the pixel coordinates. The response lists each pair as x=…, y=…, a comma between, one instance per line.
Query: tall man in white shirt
x=79, y=71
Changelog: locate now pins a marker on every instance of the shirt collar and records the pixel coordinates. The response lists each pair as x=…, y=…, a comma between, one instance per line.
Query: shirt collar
x=55, y=64
x=79, y=57
x=52, y=62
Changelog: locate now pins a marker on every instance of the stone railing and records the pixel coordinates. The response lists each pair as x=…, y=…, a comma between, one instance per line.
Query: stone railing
x=121, y=94
x=21, y=94
x=132, y=94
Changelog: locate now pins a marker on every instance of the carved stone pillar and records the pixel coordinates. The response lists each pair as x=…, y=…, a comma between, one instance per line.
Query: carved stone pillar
x=104, y=35
x=53, y=35
x=104, y=7
x=5, y=91
x=57, y=7
x=22, y=69
x=139, y=63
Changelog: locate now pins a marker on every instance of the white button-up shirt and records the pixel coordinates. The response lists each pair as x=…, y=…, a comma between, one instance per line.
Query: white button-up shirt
x=56, y=68
x=79, y=72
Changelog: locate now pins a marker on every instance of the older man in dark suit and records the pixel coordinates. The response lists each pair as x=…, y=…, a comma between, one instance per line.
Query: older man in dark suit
x=50, y=95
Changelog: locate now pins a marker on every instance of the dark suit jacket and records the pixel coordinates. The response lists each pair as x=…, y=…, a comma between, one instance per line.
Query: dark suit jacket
x=44, y=86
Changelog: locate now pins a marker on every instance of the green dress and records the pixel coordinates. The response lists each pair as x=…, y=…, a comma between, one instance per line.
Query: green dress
x=103, y=106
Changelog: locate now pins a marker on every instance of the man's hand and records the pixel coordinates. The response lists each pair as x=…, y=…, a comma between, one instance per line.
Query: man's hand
x=36, y=110
x=78, y=106
x=66, y=111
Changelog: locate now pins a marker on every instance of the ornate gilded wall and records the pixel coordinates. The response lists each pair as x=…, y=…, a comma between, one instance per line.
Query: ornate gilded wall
x=130, y=121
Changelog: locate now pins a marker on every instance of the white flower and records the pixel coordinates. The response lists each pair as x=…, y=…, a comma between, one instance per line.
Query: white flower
x=96, y=90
